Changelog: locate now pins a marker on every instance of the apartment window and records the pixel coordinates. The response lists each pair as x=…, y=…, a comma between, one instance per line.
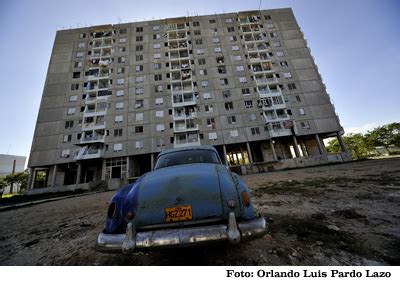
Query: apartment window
x=120, y=92
x=139, y=129
x=228, y=105
x=284, y=64
x=251, y=117
x=298, y=99
x=69, y=124
x=160, y=113
x=117, y=147
x=204, y=83
x=223, y=81
x=121, y=60
x=139, y=116
x=245, y=91
x=117, y=132
x=208, y=108
x=122, y=49
x=239, y=68
x=226, y=93
x=139, y=58
x=139, y=79
x=82, y=35
x=139, y=103
x=267, y=17
x=276, y=44
x=199, y=41
x=119, y=105
x=67, y=138
x=212, y=21
x=202, y=61
x=157, y=46
x=206, y=95
x=159, y=101
x=122, y=31
x=118, y=118
x=248, y=104
x=79, y=54
x=234, y=133
x=197, y=32
x=215, y=40
x=78, y=64
x=139, y=144
x=291, y=86
x=160, y=127
x=200, y=51
x=121, y=70
x=156, y=28
x=214, y=32
x=231, y=29
x=65, y=153
x=287, y=75
x=242, y=79
x=73, y=98
x=120, y=81
x=203, y=72
x=232, y=38
x=273, y=34
x=139, y=48
x=217, y=50
x=157, y=56
x=228, y=20
x=235, y=48
x=139, y=29
x=270, y=26
x=210, y=122
x=212, y=136
x=139, y=90
x=71, y=111
x=237, y=58
x=158, y=88
x=305, y=125
x=255, y=131
x=122, y=40
x=280, y=54
x=302, y=112
x=196, y=24
x=289, y=111
x=81, y=45
x=157, y=77
x=160, y=142
x=157, y=66
x=156, y=36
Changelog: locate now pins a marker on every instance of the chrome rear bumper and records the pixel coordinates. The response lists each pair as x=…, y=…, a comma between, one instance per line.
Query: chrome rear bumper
x=181, y=237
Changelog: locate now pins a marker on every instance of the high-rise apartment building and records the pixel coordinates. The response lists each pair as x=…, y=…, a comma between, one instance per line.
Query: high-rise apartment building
x=116, y=95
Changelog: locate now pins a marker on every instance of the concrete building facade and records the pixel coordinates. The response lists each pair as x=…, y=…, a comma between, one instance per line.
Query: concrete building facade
x=117, y=95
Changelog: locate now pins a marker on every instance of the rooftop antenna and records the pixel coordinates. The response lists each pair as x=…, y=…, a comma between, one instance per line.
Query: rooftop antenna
x=259, y=6
x=119, y=20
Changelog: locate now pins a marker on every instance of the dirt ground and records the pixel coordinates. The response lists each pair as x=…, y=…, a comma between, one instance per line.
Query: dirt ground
x=345, y=214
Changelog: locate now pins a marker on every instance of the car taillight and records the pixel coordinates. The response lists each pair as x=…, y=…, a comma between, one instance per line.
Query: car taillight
x=246, y=198
x=130, y=215
x=111, y=210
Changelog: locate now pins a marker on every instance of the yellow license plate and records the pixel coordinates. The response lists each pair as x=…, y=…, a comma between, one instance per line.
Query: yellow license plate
x=178, y=213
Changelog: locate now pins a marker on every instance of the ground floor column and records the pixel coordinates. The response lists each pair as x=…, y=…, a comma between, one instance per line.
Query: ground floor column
x=296, y=147
x=271, y=142
x=78, y=174
x=341, y=142
x=127, y=168
x=225, y=156
x=249, y=151
x=103, y=170
x=320, y=148
x=31, y=179
x=152, y=161
x=54, y=178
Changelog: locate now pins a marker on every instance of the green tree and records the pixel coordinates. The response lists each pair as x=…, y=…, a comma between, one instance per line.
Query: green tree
x=386, y=136
x=357, y=144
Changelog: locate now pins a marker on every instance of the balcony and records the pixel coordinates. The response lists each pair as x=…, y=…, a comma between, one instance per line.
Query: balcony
x=265, y=92
x=179, y=100
x=86, y=152
x=94, y=112
x=186, y=140
x=93, y=126
x=186, y=125
x=97, y=138
x=280, y=132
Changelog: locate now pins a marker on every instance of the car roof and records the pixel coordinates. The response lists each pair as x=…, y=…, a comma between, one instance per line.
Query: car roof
x=202, y=147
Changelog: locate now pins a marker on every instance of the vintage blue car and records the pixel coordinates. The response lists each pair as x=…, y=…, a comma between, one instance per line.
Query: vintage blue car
x=190, y=198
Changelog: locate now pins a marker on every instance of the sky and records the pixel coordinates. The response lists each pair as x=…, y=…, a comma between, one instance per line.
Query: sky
x=354, y=42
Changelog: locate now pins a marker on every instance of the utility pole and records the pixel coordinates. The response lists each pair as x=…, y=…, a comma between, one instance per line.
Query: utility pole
x=13, y=171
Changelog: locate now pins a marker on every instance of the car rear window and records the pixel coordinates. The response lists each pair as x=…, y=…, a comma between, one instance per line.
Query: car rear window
x=187, y=157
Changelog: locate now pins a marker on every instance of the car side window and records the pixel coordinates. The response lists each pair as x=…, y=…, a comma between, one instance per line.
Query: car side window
x=187, y=157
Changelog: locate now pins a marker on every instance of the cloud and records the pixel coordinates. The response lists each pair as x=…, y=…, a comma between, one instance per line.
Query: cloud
x=363, y=128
